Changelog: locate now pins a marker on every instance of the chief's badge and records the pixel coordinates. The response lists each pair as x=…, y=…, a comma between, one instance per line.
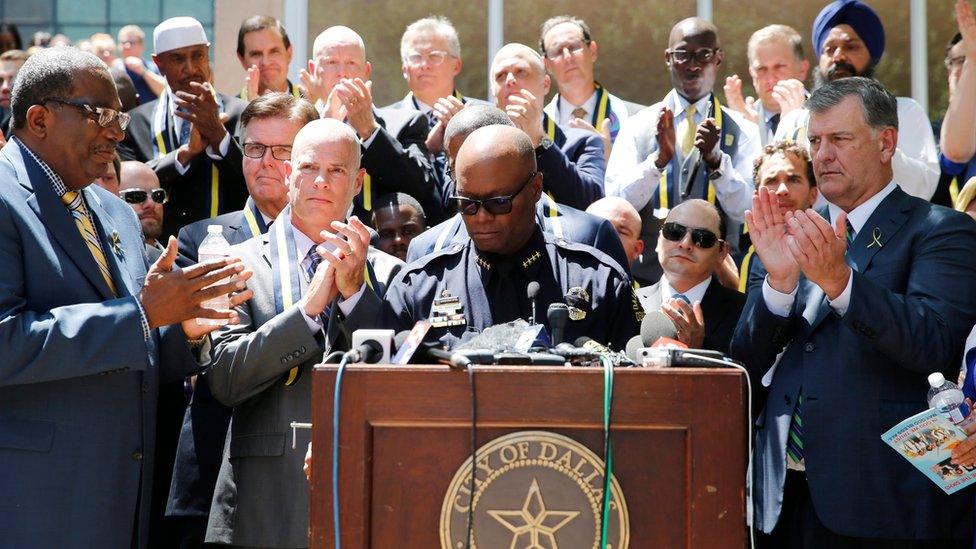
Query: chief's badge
x=578, y=300
x=447, y=311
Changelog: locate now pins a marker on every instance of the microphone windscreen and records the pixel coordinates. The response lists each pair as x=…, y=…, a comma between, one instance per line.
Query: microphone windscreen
x=533, y=290
x=400, y=338
x=498, y=338
x=632, y=345
x=656, y=325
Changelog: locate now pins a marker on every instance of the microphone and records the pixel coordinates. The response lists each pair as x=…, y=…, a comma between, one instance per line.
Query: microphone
x=656, y=325
x=408, y=341
x=370, y=346
x=557, y=314
x=531, y=292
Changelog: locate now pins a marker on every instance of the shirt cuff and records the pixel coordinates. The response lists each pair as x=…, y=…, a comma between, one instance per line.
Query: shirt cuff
x=843, y=301
x=372, y=136
x=950, y=167
x=314, y=324
x=222, y=152
x=347, y=305
x=777, y=302
x=145, y=321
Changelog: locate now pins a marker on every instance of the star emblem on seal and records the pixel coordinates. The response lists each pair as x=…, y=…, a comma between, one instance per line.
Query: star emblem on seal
x=534, y=522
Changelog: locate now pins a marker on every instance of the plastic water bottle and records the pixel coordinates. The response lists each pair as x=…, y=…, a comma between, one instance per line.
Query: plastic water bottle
x=949, y=401
x=214, y=246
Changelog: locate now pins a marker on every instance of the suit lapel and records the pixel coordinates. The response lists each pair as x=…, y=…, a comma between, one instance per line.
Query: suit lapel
x=712, y=305
x=886, y=220
x=650, y=297
x=108, y=232
x=56, y=217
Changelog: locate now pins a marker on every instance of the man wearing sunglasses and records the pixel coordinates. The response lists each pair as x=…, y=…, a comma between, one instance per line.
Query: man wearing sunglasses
x=560, y=220
x=90, y=330
x=687, y=146
x=187, y=134
x=269, y=124
x=690, y=250
x=141, y=191
x=487, y=276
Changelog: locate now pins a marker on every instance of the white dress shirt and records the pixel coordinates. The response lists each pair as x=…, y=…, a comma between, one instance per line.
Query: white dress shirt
x=695, y=293
x=561, y=110
x=636, y=179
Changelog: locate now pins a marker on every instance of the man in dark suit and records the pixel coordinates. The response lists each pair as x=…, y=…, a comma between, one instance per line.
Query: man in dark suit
x=690, y=249
x=316, y=281
x=572, y=161
x=83, y=359
x=868, y=297
x=187, y=135
x=394, y=154
x=269, y=124
x=560, y=220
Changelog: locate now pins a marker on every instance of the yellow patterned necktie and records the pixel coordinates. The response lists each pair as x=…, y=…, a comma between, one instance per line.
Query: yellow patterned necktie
x=74, y=202
x=687, y=130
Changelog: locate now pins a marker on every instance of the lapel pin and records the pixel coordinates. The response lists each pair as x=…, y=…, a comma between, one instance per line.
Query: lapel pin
x=117, y=245
x=876, y=238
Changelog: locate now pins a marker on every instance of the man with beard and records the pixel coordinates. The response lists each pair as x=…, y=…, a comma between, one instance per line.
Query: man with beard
x=141, y=191
x=849, y=39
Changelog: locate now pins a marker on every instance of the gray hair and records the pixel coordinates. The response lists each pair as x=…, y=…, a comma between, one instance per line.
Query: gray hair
x=879, y=106
x=48, y=74
x=436, y=24
x=776, y=33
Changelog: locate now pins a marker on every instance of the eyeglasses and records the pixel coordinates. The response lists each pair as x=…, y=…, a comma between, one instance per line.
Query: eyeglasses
x=702, y=56
x=433, y=58
x=499, y=205
x=138, y=196
x=703, y=238
x=572, y=49
x=256, y=150
x=952, y=62
x=103, y=115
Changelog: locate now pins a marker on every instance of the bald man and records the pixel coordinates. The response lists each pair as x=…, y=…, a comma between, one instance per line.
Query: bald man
x=498, y=186
x=262, y=366
x=394, y=152
x=140, y=189
x=625, y=220
x=571, y=161
x=686, y=146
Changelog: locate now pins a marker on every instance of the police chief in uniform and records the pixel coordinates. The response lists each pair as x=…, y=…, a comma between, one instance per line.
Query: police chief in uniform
x=497, y=189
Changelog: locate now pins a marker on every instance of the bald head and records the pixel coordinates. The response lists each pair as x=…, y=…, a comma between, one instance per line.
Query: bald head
x=135, y=174
x=327, y=133
x=498, y=162
x=625, y=220
x=517, y=67
x=338, y=36
x=497, y=144
x=521, y=51
x=693, y=26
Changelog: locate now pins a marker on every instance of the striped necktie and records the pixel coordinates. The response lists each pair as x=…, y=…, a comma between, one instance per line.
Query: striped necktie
x=851, y=233
x=314, y=260
x=794, y=440
x=73, y=200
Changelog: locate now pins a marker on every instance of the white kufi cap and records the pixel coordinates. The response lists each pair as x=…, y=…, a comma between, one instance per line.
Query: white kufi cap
x=178, y=32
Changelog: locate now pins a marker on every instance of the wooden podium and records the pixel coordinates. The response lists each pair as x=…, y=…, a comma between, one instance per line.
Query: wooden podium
x=678, y=435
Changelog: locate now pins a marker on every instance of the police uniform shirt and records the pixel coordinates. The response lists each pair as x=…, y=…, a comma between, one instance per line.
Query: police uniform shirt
x=491, y=290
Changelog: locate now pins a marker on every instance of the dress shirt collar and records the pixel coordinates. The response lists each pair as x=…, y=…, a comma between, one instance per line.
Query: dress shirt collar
x=56, y=182
x=860, y=215
x=679, y=104
x=566, y=108
x=695, y=293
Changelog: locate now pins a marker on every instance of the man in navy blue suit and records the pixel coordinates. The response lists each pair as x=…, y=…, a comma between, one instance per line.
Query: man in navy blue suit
x=867, y=297
x=82, y=356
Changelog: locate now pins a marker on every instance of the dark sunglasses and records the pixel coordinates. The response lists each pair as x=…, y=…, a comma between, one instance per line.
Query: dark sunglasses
x=703, y=238
x=499, y=205
x=138, y=196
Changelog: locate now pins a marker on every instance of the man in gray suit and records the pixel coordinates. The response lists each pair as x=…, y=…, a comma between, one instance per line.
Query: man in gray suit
x=82, y=356
x=316, y=281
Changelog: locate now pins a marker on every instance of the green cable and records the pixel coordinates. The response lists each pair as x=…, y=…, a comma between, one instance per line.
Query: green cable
x=607, y=455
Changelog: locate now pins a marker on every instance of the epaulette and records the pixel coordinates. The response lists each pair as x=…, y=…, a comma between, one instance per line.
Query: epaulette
x=450, y=250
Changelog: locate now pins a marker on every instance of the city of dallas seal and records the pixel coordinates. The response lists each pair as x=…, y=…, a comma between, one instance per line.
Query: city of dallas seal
x=533, y=489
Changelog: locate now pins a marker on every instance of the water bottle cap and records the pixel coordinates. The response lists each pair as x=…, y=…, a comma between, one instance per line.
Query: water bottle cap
x=215, y=229
x=936, y=379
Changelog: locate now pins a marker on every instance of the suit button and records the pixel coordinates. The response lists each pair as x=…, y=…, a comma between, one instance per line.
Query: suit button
x=284, y=359
x=302, y=349
x=787, y=400
x=809, y=347
x=137, y=456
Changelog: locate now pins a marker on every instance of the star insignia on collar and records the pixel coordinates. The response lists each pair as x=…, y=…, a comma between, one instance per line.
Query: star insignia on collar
x=531, y=259
x=482, y=263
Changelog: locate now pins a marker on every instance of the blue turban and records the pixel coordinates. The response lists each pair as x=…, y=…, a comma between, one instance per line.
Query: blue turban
x=859, y=16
